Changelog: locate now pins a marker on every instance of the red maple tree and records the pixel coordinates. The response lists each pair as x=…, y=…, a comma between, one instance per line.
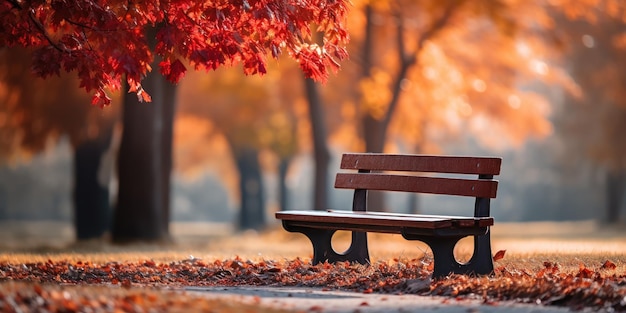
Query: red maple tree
x=104, y=41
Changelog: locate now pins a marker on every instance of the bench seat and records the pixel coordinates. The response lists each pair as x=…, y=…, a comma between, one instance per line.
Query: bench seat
x=393, y=223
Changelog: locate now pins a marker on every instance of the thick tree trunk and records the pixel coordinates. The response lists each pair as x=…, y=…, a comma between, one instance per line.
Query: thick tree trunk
x=320, y=147
x=167, y=116
x=145, y=162
x=92, y=210
x=252, y=212
x=615, y=184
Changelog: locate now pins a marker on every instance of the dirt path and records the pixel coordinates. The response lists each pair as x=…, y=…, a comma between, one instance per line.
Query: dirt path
x=315, y=300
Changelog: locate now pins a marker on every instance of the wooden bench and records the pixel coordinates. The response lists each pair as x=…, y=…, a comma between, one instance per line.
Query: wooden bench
x=407, y=173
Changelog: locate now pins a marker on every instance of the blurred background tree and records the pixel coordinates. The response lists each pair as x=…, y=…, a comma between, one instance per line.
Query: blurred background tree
x=35, y=114
x=592, y=38
x=422, y=72
x=254, y=115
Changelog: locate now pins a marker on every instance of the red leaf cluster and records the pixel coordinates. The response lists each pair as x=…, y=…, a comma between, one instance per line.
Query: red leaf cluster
x=600, y=288
x=106, y=41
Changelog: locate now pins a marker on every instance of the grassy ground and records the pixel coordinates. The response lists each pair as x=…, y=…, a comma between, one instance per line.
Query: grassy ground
x=528, y=247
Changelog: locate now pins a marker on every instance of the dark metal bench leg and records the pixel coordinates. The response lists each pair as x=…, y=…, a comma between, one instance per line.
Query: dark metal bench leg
x=323, y=251
x=443, y=255
x=482, y=260
x=445, y=263
x=358, y=251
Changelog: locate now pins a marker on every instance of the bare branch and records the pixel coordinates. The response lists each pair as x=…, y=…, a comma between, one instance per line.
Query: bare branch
x=409, y=58
x=435, y=27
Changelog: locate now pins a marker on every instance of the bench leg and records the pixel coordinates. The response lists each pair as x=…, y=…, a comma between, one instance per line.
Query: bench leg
x=482, y=260
x=323, y=251
x=445, y=263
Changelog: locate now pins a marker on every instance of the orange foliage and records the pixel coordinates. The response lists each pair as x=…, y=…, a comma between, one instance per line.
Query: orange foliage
x=481, y=70
x=243, y=111
x=478, y=70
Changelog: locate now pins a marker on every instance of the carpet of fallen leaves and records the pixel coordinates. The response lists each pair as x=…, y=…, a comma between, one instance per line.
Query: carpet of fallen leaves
x=45, y=297
x=592, y=286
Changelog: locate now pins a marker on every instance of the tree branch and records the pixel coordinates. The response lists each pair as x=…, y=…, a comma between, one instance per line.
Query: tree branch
x=44, y=32
x=368, y=41
x=39, y=26
x=408, y=59
x=15, y=4
x=437, y=25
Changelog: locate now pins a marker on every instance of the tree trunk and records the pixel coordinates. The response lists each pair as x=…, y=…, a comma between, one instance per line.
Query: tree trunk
x=252, y=212
x=414, y=203
x=92, y=211
x=145, y=162
x=283, y=167
x=375, y=130
x=320, y=147
x=374, y=133
x=615, y=183
x=374, y=139
x=168, y=111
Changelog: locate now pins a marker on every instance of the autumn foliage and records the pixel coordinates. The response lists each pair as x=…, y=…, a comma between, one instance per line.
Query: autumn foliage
x=106, y=42
x=598, y=286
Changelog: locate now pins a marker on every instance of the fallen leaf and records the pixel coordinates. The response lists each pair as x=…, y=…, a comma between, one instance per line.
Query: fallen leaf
x=608, y=265
x=584, y=272
x=499, y=255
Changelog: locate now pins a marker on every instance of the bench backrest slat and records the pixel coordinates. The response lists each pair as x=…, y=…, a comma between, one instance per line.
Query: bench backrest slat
x=422, y=163
x=433, y=185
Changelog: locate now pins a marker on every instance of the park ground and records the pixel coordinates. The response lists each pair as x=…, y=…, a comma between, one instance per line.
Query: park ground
x=547, y=267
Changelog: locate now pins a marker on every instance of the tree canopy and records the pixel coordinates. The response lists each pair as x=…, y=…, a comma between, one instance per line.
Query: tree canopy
x=104, y=41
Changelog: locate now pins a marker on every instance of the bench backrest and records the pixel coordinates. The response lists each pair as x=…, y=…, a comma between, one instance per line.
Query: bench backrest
x=378, y=171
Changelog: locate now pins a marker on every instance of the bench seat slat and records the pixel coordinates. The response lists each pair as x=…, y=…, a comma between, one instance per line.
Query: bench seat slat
x=383, y=219
x=459, y=221
x=433, y=185
x=362, y=218
x=352, y=227
x=422, y=163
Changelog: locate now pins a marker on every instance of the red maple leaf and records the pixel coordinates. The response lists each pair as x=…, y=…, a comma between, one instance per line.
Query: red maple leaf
x=608, y=265
x=584, y=272
x=173, y=72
